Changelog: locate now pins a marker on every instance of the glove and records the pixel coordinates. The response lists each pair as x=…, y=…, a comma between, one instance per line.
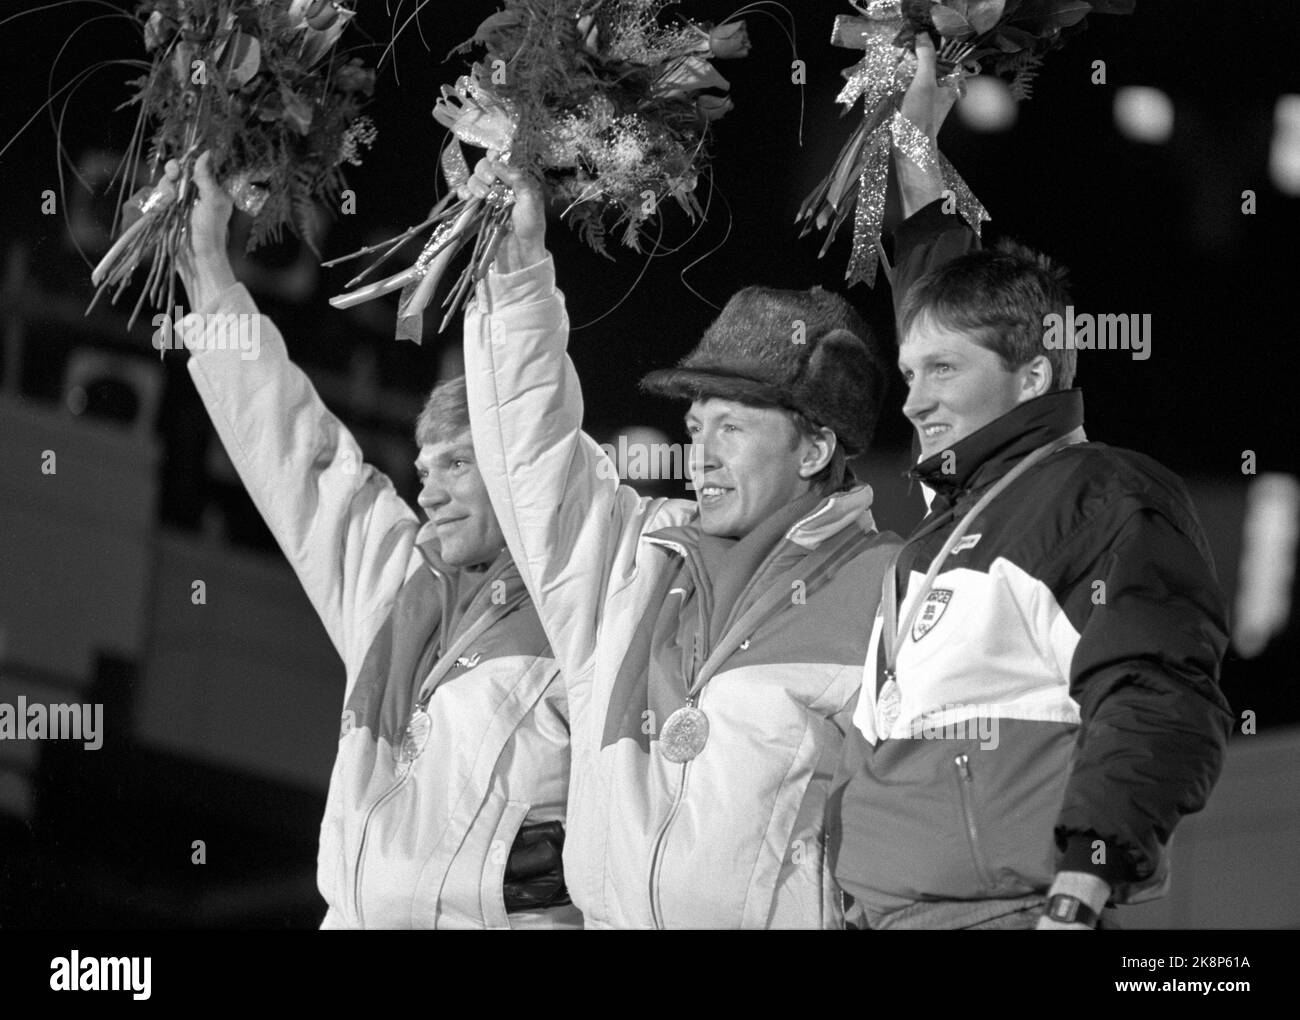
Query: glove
x=534, y=878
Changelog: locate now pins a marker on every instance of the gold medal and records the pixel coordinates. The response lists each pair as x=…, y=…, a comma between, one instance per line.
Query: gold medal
x=684, y=735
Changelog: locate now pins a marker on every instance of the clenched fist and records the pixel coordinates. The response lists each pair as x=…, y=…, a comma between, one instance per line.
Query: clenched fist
x=526, y=243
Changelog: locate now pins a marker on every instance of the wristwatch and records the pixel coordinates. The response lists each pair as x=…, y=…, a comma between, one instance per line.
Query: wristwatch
x=1071, y=910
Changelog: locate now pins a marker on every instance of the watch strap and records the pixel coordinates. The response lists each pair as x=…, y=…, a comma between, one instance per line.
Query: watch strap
x=1071, y=910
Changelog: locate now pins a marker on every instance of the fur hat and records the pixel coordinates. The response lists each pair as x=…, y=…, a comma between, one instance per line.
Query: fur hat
x=804, y=350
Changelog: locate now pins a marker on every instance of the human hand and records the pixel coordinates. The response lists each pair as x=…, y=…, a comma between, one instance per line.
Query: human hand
x=204, y=267
x=525, y=245
x=926, y=104
x=1045, y=923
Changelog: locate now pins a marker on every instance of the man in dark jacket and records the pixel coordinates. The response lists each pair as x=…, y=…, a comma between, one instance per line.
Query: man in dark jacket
x=1040, y=704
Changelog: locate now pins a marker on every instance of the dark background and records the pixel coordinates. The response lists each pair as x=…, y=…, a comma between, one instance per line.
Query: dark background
x=1155, y=229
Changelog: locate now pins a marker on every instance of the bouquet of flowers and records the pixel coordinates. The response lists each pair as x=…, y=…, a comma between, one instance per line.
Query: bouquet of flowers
x=606, y=104
x=258, y=83
x=1008, y=38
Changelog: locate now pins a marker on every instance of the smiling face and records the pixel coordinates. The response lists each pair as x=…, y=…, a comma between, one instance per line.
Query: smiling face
x=748, y=462
x=454, y=498
x=956, y=386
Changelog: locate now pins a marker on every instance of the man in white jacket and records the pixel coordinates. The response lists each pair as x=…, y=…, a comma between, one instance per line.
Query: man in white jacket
x=712, y=651
x=447, y=799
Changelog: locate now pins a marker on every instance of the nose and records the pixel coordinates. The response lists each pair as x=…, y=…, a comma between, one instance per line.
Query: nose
x=704, y=454
x=433, y=493
x=919, y=401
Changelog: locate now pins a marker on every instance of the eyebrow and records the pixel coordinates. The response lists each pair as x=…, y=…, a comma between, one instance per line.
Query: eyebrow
x=934, y=356
x=459, y=450
x=731, y=411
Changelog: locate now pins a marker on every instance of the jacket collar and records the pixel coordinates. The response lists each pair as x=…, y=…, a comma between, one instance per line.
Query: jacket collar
x=828, y=517
x=461, y=588
x=987, y=454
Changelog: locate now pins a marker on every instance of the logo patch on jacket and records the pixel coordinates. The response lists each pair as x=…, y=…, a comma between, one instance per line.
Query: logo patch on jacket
x=931, y=610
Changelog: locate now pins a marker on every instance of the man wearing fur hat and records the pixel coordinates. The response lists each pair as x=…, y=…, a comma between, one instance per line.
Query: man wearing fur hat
x=713, y=649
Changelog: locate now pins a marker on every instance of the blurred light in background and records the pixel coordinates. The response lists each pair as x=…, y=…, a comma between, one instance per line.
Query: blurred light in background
x=1268, y=550
x=1144, y=114
x=1284, y=156
x=644, y=453
x=987, y=105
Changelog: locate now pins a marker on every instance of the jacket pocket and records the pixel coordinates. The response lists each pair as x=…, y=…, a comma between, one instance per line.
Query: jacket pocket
x=966, y=792
x=492, y=886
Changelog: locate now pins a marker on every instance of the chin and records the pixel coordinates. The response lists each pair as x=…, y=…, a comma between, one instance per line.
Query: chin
x=936, y=448
x=708, y=523
x=454, y=554
x=720, y=528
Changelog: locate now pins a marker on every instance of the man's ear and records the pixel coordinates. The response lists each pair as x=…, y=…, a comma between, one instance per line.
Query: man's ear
x=1035, y=378
x=818, y=450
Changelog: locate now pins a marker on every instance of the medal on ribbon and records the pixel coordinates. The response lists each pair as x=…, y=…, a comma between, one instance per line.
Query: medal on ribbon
x=413, y=739
x=889, y=705
x=684, y=735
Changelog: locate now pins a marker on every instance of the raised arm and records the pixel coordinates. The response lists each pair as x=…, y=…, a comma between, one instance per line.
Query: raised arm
x=571, y=527
x=931, y=233
x=344, y=529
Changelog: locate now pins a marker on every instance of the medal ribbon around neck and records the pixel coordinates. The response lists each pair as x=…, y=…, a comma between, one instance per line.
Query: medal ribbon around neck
x=418, y=726
x=686, y=731
x=893, y=634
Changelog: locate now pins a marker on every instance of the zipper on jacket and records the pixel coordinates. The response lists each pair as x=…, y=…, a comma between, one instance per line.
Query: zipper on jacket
x=439, y=636
x=698, y=655
x=361, y=849
x=966, y=785
x=436, y=636
x=656, y=857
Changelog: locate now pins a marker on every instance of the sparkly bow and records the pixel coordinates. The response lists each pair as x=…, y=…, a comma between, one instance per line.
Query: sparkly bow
x=474, y=116
x=858, y=180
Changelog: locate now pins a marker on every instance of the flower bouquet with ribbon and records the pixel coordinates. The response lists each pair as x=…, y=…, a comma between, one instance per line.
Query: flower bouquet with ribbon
x=604, y=102
x=1008, y=38
x=258, y=82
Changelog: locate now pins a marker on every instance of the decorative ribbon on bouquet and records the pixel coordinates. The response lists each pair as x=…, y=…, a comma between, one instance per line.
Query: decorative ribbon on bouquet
x=456, y=222
x=858, y=180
